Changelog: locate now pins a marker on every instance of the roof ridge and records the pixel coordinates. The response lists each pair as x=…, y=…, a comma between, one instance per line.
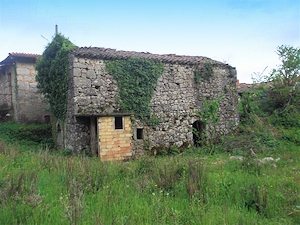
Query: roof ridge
x=109, y=53
x=22, y=54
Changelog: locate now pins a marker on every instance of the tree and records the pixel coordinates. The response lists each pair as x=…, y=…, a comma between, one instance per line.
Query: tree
x=283, y=97
x=52, y=74
x=287, y=73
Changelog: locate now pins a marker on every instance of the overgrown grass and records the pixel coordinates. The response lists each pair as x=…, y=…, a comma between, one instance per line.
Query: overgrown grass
x=42, y=187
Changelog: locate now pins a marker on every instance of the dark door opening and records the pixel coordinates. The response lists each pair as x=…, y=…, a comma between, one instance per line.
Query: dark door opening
x=94, y=136
x=198, y=132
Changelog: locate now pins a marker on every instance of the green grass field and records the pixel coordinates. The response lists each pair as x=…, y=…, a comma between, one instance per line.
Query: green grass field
x=39, y=185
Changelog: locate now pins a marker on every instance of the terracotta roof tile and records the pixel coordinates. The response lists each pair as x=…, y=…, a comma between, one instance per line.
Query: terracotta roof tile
x=108, y=53
x=27, y=55
x=19, y=57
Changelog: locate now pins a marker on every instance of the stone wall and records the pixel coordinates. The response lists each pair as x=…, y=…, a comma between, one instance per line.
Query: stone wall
x=95, y=90
x=176, y=99
x=31, y=104
x=5, y=93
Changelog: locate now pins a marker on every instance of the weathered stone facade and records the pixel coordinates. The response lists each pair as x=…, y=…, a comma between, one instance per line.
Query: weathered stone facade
x=5, y=93
x=19, y=96
x=93, y=93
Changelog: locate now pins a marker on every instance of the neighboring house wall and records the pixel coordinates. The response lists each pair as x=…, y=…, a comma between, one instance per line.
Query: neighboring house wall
x=31, y=105
x=21, y=94
x=5, y=93
x=176, y=99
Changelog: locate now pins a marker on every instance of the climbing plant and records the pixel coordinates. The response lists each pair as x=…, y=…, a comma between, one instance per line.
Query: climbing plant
x=210, y=111
x=209, y=115
x=203, y=73
x=52, y=78
x=136, y=79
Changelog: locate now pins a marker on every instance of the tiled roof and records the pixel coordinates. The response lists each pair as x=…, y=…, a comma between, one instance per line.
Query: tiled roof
x=107, y=53
x=27, y=55
x=243, y=87
x=19, y=57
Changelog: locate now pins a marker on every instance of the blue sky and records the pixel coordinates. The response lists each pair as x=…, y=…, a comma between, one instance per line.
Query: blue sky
x=243, y=33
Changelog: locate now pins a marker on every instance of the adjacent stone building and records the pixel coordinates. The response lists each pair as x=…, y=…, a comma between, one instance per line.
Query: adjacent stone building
x=95, y=123
x=20, y=99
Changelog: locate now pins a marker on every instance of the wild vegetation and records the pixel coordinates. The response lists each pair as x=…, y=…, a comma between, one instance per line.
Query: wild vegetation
x=136, y=79
x=52, y=74
x=203, y=73
x=41, y=186
x=251, y=177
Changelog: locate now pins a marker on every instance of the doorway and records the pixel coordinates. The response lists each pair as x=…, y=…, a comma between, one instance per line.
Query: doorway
x=198, y=133
x=94, y=136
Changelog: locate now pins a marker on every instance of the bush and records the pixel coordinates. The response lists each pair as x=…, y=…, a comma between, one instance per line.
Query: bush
x=33, y=133
x=291, y=135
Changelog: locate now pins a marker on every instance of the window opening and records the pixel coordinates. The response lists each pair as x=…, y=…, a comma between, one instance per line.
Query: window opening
x=139, y=133
x=118, y=122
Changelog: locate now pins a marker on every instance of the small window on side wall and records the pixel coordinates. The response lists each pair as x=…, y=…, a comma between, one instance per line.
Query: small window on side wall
x=118, y=122
x=139, y=133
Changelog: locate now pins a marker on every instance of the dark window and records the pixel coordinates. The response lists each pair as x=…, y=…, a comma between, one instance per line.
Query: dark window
x=118, y=122
x=139, y=133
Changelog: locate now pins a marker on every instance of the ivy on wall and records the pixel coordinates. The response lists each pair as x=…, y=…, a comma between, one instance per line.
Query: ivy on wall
x=52, y=74
x=209, y=115
x=203, y=73
x=136, y=79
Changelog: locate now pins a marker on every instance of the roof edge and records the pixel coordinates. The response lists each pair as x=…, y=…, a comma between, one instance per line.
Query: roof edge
x=14, y=57
x=113, y=54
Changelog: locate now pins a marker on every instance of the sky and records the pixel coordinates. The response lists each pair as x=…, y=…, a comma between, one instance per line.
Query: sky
x=242, y=33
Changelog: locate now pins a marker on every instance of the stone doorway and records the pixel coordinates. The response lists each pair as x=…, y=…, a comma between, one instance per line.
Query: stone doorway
x=198, y=132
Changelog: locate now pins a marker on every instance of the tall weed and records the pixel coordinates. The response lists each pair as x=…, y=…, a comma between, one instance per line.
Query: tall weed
x=197, y=178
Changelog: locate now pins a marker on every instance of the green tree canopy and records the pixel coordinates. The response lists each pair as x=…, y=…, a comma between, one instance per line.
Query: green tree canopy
x=287, y=73
x=52, y=74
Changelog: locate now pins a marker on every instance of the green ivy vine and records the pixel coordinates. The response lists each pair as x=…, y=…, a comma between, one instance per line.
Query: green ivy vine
x=203, y=73
x=136, y=79
x=52, y=77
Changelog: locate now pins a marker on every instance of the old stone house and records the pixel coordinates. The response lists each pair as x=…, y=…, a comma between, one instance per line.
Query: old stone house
x=96, y=123
x=20, y=99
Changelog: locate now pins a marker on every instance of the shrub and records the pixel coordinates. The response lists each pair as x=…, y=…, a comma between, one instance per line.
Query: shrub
x=33, y=133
